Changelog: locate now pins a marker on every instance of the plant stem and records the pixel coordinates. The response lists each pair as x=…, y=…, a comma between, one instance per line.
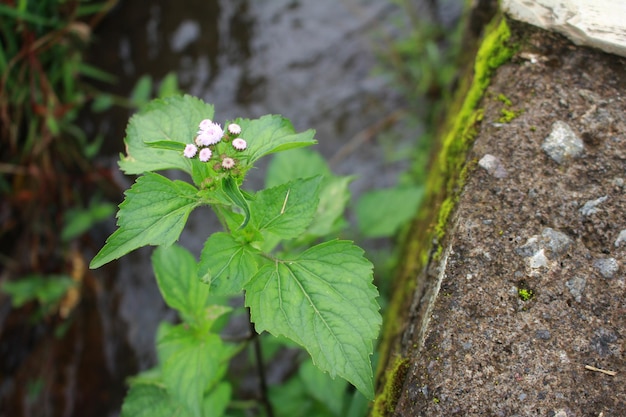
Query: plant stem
x=261, y=371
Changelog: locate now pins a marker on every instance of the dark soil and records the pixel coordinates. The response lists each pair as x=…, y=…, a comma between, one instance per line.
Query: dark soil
x=515, y=321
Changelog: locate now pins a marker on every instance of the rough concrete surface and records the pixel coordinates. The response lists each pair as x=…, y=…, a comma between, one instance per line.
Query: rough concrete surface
x=532, y=277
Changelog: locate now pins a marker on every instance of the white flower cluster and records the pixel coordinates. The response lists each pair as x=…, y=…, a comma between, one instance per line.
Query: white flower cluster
x=209, y=134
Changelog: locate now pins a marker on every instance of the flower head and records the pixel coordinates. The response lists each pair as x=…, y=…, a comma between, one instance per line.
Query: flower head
x=239, y=144
x=205, y=154
x=234, y=128
x=228, y=163
x=190, y=150
x=210, y=136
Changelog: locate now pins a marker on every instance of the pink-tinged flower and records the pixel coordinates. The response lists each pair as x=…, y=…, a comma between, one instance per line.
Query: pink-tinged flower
x=205, y=154
x=239, y=144
x=190, y=150
x=205, y=124
x=210, y=136
x=228, y=163
x=234, y=128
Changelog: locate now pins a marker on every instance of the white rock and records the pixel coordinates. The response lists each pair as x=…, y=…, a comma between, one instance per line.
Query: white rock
x=562, y=143
x=591, y=206
x=538, y=260
x=493, y=166
x=597, y=23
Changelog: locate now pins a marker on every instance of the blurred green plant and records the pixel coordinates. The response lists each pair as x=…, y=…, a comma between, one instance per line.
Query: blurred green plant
x=47, y=173
x=421, y=54
x=52, y=192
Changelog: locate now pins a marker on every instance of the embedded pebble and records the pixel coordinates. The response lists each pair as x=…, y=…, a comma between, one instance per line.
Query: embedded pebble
x=529, y=248
x=554, y=241
x=493, y=166
x=543, y=334
x=591, y=206
x=621, y=238
x=538, y=260
x=562, y=143
x=606, y=266
x=557, y=242
x=576, y=286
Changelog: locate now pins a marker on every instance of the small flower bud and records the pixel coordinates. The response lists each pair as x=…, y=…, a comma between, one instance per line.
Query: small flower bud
x=234, y=129
x=205, y=154
x=228, y=163
x=239, y=144
x=190, y=150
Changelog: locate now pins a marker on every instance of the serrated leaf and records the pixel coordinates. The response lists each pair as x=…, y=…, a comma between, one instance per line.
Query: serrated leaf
x=148, y=400
x=148, y=397
x=154, y=212
x=191, y=362
x=226, y=264
x=174, y=118
x=272, y=133
x=286, y=210
x=334, y=192
x=380, y=220
x=175, y=270
x=295, y=163
x=323, y=300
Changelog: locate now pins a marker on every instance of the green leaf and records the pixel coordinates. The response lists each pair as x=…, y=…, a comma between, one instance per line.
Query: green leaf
x=102, y=102
x=327, y=391
x=272, y=133
x=231, y=189
x=176, y=273
x=169, y=85
x=78, y=221
x=173, y=118
x=192, y=362
x=46, y=289
x=286, y=210
x=323, y=300
x=148, y=400
x=154, y=212
x=142, y=91
x=334, y=197
x=168, y=145
x=226, y=264
x=380, y=220
x=295, y=163
x=334, y=192
x=215, y=403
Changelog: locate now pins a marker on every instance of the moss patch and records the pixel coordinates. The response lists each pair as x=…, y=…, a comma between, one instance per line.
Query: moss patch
x=446, y=179
x=387, y=399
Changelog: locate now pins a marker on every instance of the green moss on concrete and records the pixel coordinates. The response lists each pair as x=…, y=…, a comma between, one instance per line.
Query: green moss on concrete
x=446, y=179
x=387, y=399
x=507, y=115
